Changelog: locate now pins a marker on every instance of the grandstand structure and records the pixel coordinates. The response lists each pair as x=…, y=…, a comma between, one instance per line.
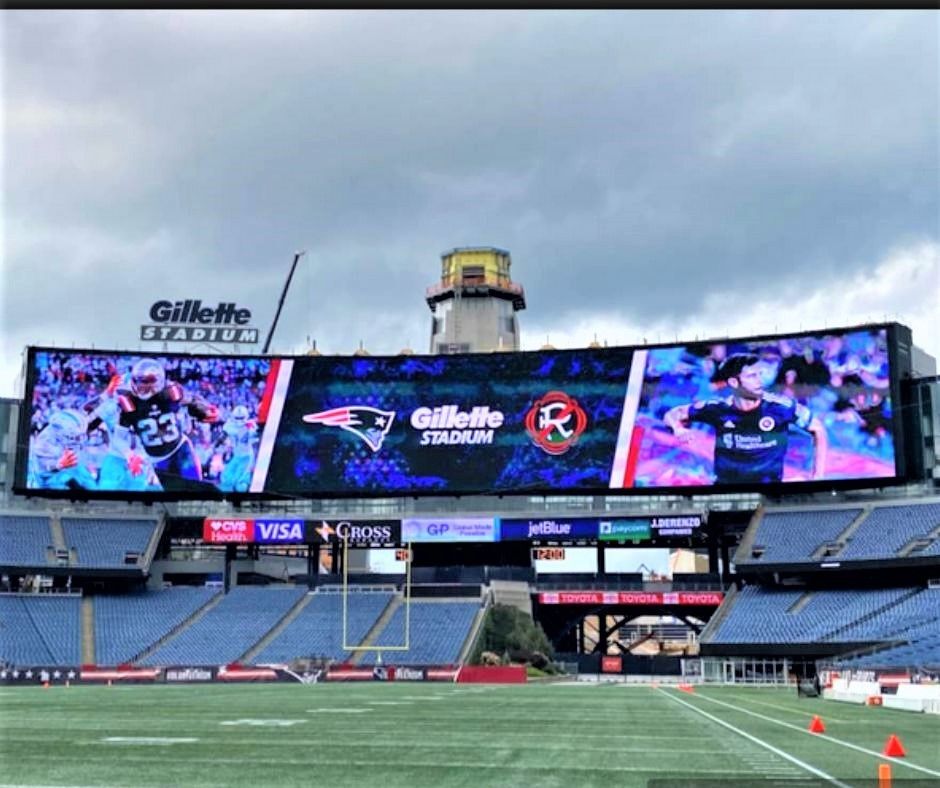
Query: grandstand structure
x=782, y=584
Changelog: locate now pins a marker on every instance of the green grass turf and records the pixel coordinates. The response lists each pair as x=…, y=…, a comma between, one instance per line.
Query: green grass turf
x=442, y=735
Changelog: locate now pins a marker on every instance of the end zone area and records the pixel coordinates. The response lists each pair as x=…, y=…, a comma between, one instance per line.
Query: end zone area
x=450, y=735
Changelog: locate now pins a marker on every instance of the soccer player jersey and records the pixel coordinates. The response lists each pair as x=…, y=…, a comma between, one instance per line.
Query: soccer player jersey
x=750, y=445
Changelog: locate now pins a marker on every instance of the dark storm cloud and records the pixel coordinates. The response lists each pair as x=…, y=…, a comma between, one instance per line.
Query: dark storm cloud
x=631, y=161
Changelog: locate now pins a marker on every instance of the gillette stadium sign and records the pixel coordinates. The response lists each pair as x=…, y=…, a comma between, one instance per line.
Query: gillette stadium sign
x=192, y=321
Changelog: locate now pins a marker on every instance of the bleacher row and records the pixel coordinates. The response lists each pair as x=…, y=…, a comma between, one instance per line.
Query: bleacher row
x=202, y=626
x=844, y=535
x=28, y=540
x=907, y=620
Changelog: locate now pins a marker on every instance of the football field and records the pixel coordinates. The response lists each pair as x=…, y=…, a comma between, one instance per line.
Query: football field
x=391, y=735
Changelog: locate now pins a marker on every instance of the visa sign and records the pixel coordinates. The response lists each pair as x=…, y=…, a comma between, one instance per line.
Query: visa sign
x=245, y=530
x=279, y=531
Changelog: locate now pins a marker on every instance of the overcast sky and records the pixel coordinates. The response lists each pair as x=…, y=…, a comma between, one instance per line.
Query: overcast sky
x=654, y=174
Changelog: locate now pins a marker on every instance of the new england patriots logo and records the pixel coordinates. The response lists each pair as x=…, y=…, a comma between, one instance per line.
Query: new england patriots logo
x=370, y=425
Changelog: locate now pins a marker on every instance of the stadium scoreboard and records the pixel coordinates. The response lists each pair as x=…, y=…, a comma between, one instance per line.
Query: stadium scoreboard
x=815, y=410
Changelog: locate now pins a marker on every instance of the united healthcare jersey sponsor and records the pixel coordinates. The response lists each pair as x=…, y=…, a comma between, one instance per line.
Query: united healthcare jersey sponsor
x=448, y=424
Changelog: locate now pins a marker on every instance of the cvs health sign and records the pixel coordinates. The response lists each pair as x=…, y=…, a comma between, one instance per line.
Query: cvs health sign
x=261, y=530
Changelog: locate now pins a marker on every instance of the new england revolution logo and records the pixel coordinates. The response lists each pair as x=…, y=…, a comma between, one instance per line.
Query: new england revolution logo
x=555, y=422
x=370, y=425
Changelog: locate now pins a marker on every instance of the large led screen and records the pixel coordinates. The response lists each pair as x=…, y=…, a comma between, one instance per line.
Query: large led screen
x=736, y=413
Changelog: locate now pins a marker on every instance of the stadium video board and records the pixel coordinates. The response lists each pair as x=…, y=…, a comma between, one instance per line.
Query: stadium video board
x=735, y=414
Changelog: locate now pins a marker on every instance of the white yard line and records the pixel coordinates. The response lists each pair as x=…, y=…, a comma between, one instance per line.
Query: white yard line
x=824, y=737
x=760, y=742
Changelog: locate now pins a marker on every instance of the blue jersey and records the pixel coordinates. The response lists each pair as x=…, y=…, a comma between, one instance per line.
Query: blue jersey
x=750, y=444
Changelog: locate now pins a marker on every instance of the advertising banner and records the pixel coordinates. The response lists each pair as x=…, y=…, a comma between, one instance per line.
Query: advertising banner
x=711, y=598
x=260, y=530
x=624, y=530
x=373, y=533
x=547, y=529
x=448, y=529
x=734, y=413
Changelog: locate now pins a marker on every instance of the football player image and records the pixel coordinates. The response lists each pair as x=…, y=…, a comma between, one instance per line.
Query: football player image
x=125, y=465
x=241, y=433
x=751, y=426
x=56, y=459
x=152, y=408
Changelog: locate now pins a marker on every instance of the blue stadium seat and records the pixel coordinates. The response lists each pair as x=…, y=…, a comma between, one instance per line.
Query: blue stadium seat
x=794, y=536
x=230, y=628
x=318, y=629
x=102, y=543
x=24, y=539
x=127, y=624
x=438, y=630
x=40, y=629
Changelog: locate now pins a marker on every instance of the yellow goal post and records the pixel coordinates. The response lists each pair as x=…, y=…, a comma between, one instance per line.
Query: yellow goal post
x=407, y=602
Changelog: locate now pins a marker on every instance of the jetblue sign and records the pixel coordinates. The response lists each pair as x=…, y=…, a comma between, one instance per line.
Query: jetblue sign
x=548, y=528
x=191, y=321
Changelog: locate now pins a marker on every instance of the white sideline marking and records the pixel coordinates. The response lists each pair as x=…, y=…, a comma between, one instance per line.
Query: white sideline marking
x=332, y=711
x=149, y=740
x=759, y=742
x=263, y=723
x=826, y=737
x=746, y=699
x=389, y=702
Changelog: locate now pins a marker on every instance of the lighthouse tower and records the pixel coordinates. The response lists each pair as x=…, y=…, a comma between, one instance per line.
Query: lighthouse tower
x=474, y=306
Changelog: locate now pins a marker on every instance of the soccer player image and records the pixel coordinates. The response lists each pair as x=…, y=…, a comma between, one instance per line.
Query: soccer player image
x=57, y=456
x=751, y=425
x=241, y=433
x=152, y=408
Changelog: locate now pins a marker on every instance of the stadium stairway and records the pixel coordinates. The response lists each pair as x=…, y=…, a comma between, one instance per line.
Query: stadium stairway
x=396, y=602
x=743, y=553
x=248, y=657
x=177, y=629
x=473, y=635
x=829, y=549
x=147, y=558
x=58, y=535
x=715, y=622
x=88, y=631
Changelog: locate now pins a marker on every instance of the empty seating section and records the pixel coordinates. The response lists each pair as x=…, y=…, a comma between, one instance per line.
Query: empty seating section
x=127, y=624
x=437, y=633
x=759, y=615
x=40, y=629
x=229, y=629
x=103, y=543
x=889, y=528
x=317, y=631
x=920, y=610
x=794, y=536
x=23, y=540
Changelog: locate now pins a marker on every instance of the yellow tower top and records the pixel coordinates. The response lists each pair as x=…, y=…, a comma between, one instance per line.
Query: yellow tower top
x=476, y=270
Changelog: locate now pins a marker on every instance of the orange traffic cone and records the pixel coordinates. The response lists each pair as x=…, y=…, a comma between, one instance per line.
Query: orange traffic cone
x=893, y=747
x=816, y=726
x=884, y=775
